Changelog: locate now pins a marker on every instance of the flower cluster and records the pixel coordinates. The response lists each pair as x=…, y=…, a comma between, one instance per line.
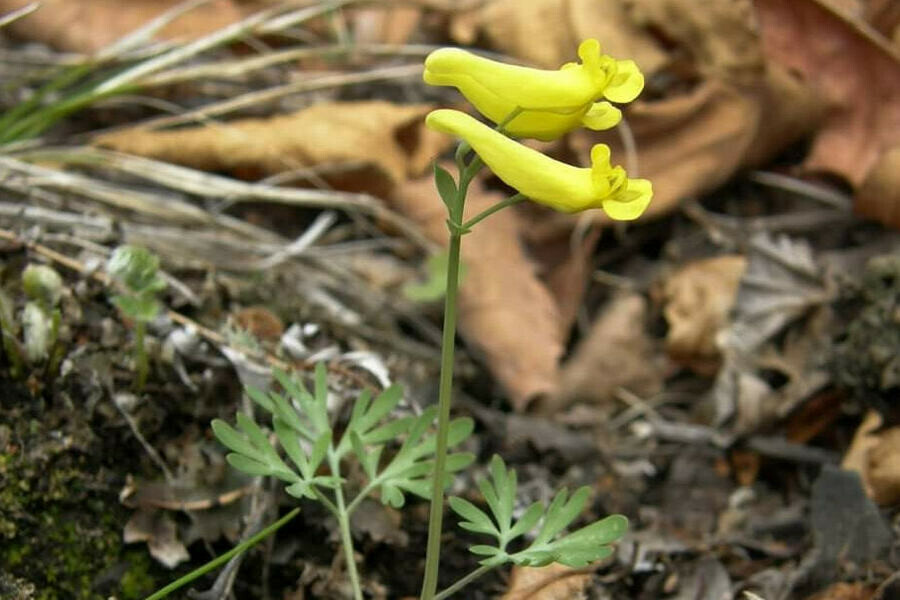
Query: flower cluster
x=544, y=105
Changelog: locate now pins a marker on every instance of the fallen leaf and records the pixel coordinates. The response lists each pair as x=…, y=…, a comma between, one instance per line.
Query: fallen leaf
x=161, y=534
x=698, y=298
x=855, y=70
x=781, y=285
x=875, y=455
x=382, y=143
x=384, y=25
x=506, y=314
x=547, y=32
x=845, y=591
x=617, y=352
x=553, y=582
x=89, y=25
x=877, y=197
x=782, y=282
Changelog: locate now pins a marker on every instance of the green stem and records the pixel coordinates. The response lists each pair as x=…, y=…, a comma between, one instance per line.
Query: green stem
x=512, y=200
x=433, y=549
x=463, y=582
x=182, y=581
x=343, y=518
x=436, y=514
x=140, y=355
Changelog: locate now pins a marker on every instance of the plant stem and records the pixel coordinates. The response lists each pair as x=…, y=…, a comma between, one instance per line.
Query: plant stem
x=495, y=208
x=432, y=555
x=140, y=355
x=343, y=518
x=448, y=347
x=182, y=581
x=463, y=582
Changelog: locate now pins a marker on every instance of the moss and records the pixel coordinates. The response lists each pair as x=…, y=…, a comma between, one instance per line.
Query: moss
x=137, y=582
x=58, y=533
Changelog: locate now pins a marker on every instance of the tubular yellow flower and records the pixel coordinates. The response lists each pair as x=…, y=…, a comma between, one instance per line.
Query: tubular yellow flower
x=553, y=102
x=547, y=181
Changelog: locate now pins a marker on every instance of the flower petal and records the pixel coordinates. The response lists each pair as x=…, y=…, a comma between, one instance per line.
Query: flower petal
x=631, y=202
x=601, y=115
x=626, y=84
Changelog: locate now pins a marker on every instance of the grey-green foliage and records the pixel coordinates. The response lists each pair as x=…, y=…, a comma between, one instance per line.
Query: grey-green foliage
x=576, y=549
x=40, y=318
x=137, y=269
x=302, y=428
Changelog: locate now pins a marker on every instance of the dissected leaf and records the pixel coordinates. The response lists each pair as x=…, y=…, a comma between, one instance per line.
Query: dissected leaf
x=577, y=549
x=410, y=468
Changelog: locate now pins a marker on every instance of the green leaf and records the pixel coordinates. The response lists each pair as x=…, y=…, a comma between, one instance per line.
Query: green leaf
x=562, y=512
x=483, y=550
x=475, y=519
x=527, y=521
x=446, y=187
x=248, y=465
x=301, y=489
x=389, y=431
x=579, y=548
x=291, y=444
x=235, y=441
x=434, y=286
x=260, y=397
x=319, y=449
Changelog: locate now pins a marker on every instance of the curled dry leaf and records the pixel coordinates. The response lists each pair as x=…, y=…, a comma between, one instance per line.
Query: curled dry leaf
x=546, y=32
x=89, y=25
x=698, y=299
x=553, y=582
x=616, y=353
x=858, y=74
x=505, y=312
x=379, y=143
x=875, y=455
x=161, y=534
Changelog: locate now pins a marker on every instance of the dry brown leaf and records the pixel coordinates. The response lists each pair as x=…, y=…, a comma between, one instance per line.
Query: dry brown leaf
x=384, y=143
x=685, y=145
x=158, y=529
x=719, y=35
x=855, y=70
x=385, y=25
x=879, y=196
x=698, y=299
x=616, y=353
x=89, y=25
x=865, y=440
x=845, y=591
x=505, y=312
x=547, y=32
x=553, y=582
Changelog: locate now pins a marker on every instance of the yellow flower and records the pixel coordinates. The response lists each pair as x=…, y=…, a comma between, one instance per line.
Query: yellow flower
x=545, y=180
x=553, y=102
